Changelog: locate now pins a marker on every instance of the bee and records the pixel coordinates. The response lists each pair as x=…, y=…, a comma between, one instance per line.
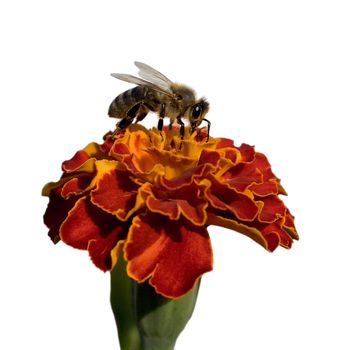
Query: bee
x=156, y=93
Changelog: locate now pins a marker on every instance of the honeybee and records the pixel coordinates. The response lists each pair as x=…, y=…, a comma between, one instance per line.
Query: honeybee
x=156, y=93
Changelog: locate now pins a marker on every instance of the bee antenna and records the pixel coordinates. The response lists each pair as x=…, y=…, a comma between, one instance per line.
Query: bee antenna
x=209, y=124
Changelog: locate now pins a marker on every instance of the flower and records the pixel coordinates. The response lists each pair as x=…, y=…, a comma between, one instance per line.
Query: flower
x=151, y=197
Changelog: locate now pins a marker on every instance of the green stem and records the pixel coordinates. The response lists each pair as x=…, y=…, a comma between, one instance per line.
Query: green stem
x=157, y=344
x=122, y=306
x=147, y=320
x=161, y=320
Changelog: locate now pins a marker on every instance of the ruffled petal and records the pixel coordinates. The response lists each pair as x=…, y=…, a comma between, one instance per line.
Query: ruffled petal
x=84, y=160
x=172, y=254
x=264, y=188
x=88, y=227
x=242, y=176
x=273, y=208
x=186, y=201
x=116, y=193
x=221, y=196
x=274, y=230
x=268, y=241
x=76, y=185
x=166, y=190
x=75, y=162
x=56, y=212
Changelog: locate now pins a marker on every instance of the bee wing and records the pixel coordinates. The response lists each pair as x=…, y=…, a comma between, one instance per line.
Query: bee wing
x=138, y=81
x=155, y=77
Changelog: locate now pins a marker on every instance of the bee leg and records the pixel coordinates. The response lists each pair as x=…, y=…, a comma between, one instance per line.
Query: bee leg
x=182, y=130
x=209, y=124
x=123, y=124
x=182, y=127
x=141, y=113
x=127, y=120
x=161, y=119
x=160, y=125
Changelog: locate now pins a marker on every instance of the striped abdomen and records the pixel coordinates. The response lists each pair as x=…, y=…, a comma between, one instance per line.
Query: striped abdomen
x=127, y=100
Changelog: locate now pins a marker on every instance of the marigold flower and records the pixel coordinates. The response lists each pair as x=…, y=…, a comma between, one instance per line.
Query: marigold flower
x=151, y=197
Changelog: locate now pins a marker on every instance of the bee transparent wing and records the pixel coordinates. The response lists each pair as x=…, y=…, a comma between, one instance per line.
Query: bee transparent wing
x=138, y=81
x=153, y=76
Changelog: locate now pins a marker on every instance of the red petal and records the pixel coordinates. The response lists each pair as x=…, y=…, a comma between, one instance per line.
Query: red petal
x=185, y=200
x=264, y=166
x=241, y=176
x=223, y=197
x=209, y=157
x=88, y=227
x=56, y=212
x=202, y=134
x=186, y=177
x=232, y=154
x=165, y=207
x=120, y=149
x=223, y=143
x=272, y=209
x=247, y=153
x=265, y=188
x=107, y=144
x=78, y=159
x=179, y=181
x=173, y=254
x=115, y=193
x=274, y=231
x=76, y=185
x=250, y=231
x=289, y=225
x=100, y=249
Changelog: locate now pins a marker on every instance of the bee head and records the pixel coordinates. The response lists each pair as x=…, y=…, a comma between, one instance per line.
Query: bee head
x=197, y=113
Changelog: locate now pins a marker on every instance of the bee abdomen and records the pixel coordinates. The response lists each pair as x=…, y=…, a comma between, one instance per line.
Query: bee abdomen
x=125, y=101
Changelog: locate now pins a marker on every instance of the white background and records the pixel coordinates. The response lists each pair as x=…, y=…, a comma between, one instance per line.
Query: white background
x=277, y=76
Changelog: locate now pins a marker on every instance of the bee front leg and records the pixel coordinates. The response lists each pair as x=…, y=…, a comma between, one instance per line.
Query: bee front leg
x=182, y=127
x=182, y=130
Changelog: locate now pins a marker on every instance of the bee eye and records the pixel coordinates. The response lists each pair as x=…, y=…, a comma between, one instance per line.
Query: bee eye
x=196, y=111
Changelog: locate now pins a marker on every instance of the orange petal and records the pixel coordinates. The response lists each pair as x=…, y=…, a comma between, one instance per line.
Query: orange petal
x=172, y=254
